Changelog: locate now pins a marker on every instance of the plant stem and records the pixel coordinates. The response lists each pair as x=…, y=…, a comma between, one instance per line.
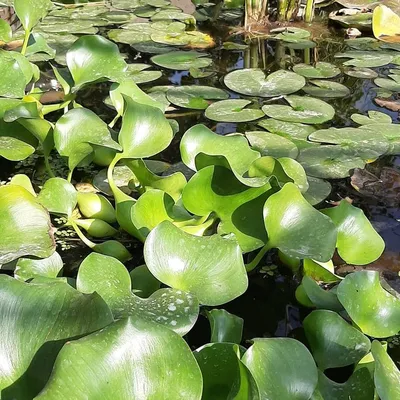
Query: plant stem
x=253, y=264
x=113, y=122
x=48, y=167
x=309, y=12
x=115, y=189
x=69, y=177
x=26, y=40
x=84, y=239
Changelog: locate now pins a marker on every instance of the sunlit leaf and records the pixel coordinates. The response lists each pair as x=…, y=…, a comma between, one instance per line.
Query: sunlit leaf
x=225, y=327
x=29, y=268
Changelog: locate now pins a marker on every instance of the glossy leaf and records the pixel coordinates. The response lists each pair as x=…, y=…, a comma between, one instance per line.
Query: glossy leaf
x=93, y=205
x=326, y=89
x=325, y=299
x=30, y=12
x=144, y=284
x=321, y=70
x=385, y=24
x=182, y=60
x=232, y=110
x=225, y=327
x=29, y=268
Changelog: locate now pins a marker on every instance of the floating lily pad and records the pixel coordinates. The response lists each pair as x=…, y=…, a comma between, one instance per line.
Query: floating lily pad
x=374, y=117
x=391, y=132
x=318, y=190
x=289, y=130
x=363, y=73
x=254, y=82
x=195, y=96
x=392, y=83
x=321, y=70
x=232, y=110
x=182, y=60
x=139, y=74
x=326, y=89
x=366, y=59
x=354, y=18
x=301, y=109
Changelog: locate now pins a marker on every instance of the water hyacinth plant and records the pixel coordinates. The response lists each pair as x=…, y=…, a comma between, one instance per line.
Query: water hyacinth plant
x=157, y=249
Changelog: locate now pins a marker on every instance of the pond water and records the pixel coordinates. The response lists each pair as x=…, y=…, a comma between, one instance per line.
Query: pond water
x=269, y=306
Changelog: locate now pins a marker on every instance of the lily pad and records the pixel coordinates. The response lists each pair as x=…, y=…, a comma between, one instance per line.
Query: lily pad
x=318, y=190
x=253, y=82
x=321, y=70
x=187, y=266
x=365, y=59
x=326, y=89
x=374, y=117
x=392, y=83
x=289, y=130
x=301, y=109
x=363, y=73
x=182, y=60
x=139, y=74
x=232, y=110
x=391, y=132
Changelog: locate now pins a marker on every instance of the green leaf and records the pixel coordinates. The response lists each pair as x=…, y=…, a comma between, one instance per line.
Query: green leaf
x=318, y=190
x=334, y=343
x=93, y=205
x=182, y=261
x=232, y=110
x=225, y=327
x=109, y=278
x=254, y=82
x=34, y=330
x=58, y=196
x=362, y=73
x=25, y=226
x=139, y=74
x=326, y=89
x=365, y=59
x=144, y=284
x=357, y=241
x=391, y=132
x=386, y=375
x=182, y=60
x=374, y=117
x=301, y=109
x=276, y=362
x=224, y=375
x=30, y=12
x=296, y=228
x=321, y=70
x=13, y=81
x=93, y=57
x=145, y=131
x=320, y=271
x=122, y=357
x=77, y=132
x=28, y=268
x=325, y=299
x=5, y=31
x=24, y=181
x=96, y=228
x=372, y=308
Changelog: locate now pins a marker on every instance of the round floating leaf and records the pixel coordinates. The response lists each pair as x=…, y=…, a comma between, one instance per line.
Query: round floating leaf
x=30, y=12
x=195, y=96
x=144, y=284
x=334, y=343
x=122, y=357
x=94, y=57
x=362, y=143
x=319, y=297
x=34, y=330
x=363, y=73
x=371, y=307
x=269, y=144
x=386, y=375
x=28, y=268
x=224, y=375
x=392, y=84
x=182, y=60
x=139, y=74
x=357, y=242
x=25, y=226
x=326, y=89
x=254, y=82
x=296, y=228
x=131, y=36
x=77, y=131
x=275, y=362
x=374, y=117
x=318, y=190
x=145, y=131
x=301, y=109
x=321, y=70
x=365, y=59
x=232, y=110
x=58, y=196
x=109, y=278
x=391, y=132
x=329, y=162
x=225, y=327
x=182, y=261
x=386, y=24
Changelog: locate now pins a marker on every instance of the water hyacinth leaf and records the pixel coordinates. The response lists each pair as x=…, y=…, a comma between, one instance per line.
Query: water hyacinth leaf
x=334, y=343
x=365, y=59
x=30, y=12
x=374, y=117
x=152, y=354
x=378, y=313
x=326, y=89
x=93, y=57
x=112, y=248
x=301, y=109
x=319, y=271
x=37, y=44
x=194, y=96
x=139, y=74
x=5, y=31
x=225, y=327
x=233, y=110
x=25, y=225
x=318, y=190
x=182, y=60
x=239, y=207
x=329, y=162
x=145, y=131
x=93, y=205
x=77, y=132
x=58, y=196
x=357, y=241
x=325, y=299
x=144, y=284
x=29, y=268
x=96, y=228
x=122, y=176
x=359, y=72
x=269, y=144
x=24, y=181
x=224, y=374
x=321, y=70
x=361, y=142
x=274, y=362
x=391, y=132
x=386, y=375
x=16, y=142
x=385, y=24
x=317, y=232
x=254, y=82
x=13, y=80
x=188, y=267
x=108, y=277
x=65, y=314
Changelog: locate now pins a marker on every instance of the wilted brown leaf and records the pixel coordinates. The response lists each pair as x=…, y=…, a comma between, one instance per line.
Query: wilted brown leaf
x=389, y=104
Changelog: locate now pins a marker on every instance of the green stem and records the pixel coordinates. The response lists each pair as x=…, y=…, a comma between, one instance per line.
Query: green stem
x=48, y=167
x=84, y=239
x=69, y=177
x=253, y=264
x=110, y=170
x=309, y=12
x=26, y=40
x=113, y=122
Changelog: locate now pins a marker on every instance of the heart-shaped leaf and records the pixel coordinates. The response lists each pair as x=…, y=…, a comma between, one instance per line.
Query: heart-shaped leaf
x=365, y=59
x=321, y=70
x=374, y=117
x=182, y=60
x=188, y=266
x=28, y=268
x=232, y=110
x=326, y=89
x=13, y=79
x=144, y=284
x=225, y=327
x=30, y=12
x=372, y=308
